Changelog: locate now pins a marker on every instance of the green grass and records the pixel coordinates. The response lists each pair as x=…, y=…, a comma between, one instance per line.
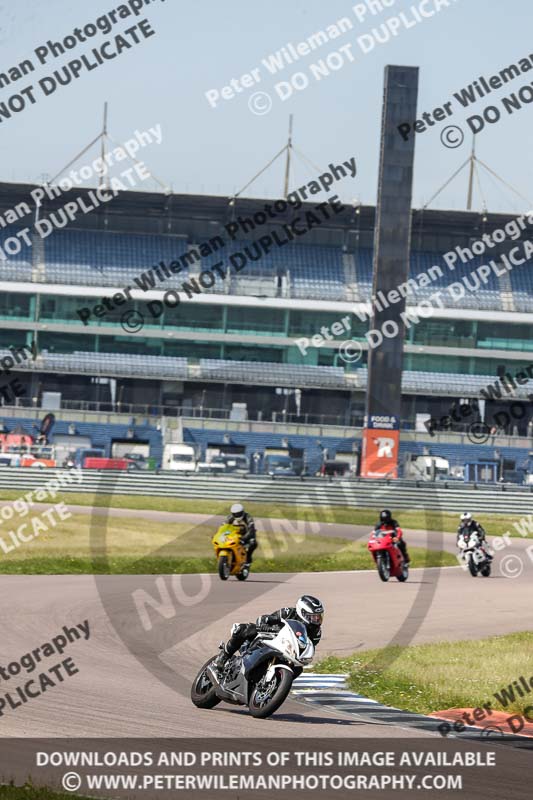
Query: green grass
x=495, y=524
x=435, y=677
x=30, y=792
x=126, y=545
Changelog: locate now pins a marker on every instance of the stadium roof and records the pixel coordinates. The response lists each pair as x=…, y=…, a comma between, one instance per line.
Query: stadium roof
x=196, y=215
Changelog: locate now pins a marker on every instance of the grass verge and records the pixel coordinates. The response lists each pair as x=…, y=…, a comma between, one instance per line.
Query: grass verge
x=30, y=792
x=435, y=677
x=495, y=524
x=127, y=545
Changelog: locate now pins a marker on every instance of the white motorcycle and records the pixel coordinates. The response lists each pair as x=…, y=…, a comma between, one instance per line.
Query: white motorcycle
x=474, y=555
x=260, y=676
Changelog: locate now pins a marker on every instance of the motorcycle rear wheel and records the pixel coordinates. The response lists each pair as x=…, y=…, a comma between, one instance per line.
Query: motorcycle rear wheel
x=243, y=574
x=264, y=707
x=224, y=568
x=486, y=571
x=404, y=574
x=383, y=566
x=203, y=693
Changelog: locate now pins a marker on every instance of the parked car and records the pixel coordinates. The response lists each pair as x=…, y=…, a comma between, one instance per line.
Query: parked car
x=237, y=464
x=216, y=466
x=280, y=467
x=136, y=461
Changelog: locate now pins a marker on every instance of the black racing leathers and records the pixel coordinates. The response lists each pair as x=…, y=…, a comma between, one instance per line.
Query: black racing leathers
x=393, y=523
x=468, y=530
x=248, y=631
x=248, y=539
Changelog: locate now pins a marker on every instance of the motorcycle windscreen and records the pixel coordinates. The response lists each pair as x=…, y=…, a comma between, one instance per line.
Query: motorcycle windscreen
x=298, y=628
x=300, y=631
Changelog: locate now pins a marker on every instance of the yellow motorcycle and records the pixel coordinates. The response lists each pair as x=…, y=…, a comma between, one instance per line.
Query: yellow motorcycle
x=230, y=552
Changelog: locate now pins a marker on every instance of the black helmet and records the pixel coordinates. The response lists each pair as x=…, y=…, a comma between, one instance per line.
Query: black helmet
x=310, y=610
x=385, y=515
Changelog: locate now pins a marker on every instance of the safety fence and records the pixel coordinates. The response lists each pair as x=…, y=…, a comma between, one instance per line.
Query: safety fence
x=446, y=496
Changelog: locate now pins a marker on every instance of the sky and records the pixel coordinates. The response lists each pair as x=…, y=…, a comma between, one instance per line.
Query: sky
x=199, y=47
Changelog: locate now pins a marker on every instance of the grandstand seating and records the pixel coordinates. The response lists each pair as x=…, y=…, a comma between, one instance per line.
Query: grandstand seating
x=267, y=373
x=15, y=267
x=114, y=364
x=250, y=372
x=310, y=271
x=488, y=296
x=522, y=285
x=105, y=258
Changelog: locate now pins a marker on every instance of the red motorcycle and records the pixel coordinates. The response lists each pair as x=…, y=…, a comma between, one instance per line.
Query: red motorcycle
x=383, y=544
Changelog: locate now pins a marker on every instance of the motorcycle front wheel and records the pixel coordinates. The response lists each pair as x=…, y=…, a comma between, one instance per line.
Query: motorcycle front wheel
x=472, y=567
x=268, y=696
x=224, y=568
x=203, y=693
x=383, y=565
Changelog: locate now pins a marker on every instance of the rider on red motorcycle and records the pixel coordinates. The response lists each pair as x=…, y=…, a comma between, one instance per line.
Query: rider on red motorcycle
x=386, y=521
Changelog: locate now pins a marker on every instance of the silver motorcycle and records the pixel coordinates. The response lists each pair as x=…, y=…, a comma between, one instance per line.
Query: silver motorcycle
x=261, y=675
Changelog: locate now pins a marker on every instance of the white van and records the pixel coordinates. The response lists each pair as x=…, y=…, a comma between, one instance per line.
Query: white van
x=179, y=457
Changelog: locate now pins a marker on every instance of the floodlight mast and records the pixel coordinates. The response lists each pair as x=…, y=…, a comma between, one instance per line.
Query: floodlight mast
x=473, y=162
x=288, y=149
x=471, y=175
x=104, y=136
x=288, y=161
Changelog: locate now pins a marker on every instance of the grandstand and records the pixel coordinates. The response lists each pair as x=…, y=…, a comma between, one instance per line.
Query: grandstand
x=235, y=342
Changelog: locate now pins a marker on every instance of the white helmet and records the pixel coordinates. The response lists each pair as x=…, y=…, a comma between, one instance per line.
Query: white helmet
x=310, y=610
x=466, y=517
x=237, y=510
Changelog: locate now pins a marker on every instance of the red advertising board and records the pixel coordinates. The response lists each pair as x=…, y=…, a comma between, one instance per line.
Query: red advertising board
x=380, y=448
x=105, y=463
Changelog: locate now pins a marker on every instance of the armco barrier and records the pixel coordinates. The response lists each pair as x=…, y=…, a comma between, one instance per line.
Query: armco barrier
x=312, y=491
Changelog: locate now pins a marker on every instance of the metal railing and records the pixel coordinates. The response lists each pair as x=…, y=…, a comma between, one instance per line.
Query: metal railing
x=277, y=422
x=355, y=493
